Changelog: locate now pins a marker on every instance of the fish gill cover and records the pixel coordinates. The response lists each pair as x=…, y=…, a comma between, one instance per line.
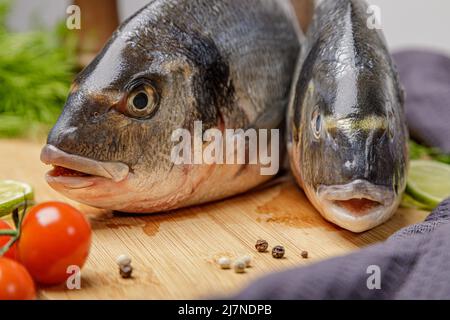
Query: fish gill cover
x=36, y=69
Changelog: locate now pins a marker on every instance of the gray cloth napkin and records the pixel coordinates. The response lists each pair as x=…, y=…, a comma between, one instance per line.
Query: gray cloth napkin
x=414, y=263
x=425, y=76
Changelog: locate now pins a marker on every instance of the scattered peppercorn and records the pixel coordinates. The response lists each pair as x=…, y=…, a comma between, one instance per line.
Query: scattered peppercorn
x=278, y=252
x=261, y=245
x=247, y=260
x=123, y=260
x=126, y=271
x=224, y=263
x=239, y=266
x=304, y=254
x=125, y=268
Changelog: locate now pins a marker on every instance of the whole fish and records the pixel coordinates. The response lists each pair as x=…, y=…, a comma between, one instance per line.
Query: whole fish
x=347, y=137
x=228, y=64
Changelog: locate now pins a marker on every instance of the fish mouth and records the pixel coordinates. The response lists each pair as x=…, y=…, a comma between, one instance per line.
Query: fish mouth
x=358, y=205
x=74, y=171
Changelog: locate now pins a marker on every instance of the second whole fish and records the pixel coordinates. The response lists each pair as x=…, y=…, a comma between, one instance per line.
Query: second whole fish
x=347, y=139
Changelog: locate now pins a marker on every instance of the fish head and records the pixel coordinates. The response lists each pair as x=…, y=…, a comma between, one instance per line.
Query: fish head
x=111, y=146
x=350, y=144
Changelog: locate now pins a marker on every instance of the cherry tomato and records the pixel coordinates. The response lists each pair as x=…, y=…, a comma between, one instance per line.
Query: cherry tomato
x=15, y=281
x=54, y=236
x=12, y=252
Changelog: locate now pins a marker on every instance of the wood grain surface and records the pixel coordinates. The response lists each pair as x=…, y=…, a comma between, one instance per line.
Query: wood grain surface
x=174, y=253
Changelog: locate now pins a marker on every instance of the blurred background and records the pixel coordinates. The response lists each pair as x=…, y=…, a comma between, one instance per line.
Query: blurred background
x=406, y=23
x=39, y=56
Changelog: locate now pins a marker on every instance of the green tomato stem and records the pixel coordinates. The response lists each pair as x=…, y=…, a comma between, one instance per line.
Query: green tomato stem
x=14, y=234
x=6, y=247
x=11, y=233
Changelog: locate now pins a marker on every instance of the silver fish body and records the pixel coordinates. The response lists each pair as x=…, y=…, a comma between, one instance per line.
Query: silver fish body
x=226, y=63
x=347, y=137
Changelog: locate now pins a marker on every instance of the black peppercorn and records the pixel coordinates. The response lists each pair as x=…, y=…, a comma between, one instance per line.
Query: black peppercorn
x=126, y=271
x=304, y=254
x=278, y=252
x=261, y=245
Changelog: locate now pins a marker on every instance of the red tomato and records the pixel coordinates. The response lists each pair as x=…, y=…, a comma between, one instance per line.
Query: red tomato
x=12, y=252
x=15, y=281
x=54, y=236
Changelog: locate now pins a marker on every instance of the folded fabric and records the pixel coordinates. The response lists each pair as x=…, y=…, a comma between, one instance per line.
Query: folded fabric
x=426, y=78
x=411, y=264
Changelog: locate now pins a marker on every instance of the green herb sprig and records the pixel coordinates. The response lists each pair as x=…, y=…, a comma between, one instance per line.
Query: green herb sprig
x=36, y=69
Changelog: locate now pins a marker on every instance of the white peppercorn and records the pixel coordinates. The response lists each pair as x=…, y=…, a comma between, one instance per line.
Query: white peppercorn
x=123, y=260
x=247, y=260
x=239, y=266
x=224, y=263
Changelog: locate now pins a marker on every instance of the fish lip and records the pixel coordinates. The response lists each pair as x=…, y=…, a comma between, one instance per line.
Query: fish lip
x=72, y=183
x=116, y=171
x=356, y=189
x=328, y=195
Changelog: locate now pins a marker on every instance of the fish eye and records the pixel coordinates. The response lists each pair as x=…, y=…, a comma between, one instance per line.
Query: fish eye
x=316, y=123
x=142, y=102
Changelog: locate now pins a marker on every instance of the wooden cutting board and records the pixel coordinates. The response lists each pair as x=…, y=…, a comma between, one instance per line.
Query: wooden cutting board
x=174, y=253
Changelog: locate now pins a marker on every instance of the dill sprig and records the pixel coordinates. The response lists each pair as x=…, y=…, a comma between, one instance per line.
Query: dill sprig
x=36, y=69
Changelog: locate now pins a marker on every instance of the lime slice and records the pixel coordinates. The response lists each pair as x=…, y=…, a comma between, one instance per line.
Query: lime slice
x=429, y=182
x=12, y=194
x=411, y=203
